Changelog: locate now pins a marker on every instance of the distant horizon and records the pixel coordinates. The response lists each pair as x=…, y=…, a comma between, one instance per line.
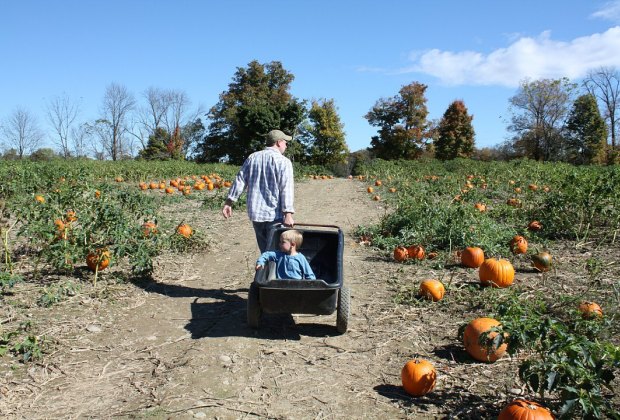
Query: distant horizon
x=352, y=52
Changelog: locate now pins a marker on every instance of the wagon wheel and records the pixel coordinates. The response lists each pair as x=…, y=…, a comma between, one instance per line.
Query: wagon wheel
x=254, y=309
x=342, y=313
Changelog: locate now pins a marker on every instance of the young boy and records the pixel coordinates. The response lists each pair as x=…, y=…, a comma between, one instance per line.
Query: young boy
x=290, y=264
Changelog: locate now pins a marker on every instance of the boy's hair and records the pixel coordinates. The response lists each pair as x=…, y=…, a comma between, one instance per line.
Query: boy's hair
x=293, y=235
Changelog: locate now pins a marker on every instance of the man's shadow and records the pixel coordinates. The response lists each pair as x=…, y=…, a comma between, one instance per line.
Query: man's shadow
x=223, y=313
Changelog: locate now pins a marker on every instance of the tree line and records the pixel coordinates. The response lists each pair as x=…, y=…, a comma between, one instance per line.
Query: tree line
x=550, y=119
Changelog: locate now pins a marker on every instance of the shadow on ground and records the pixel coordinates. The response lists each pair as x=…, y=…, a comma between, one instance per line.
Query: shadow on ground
x=222, y=313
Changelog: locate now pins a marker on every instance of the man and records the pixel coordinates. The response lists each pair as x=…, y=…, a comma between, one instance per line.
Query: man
x=268, y=177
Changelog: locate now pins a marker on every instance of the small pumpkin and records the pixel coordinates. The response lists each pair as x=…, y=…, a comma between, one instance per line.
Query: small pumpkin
x=376, y=198
x=590, y=310
x=370, y=190
x=518, y=245
x=521, y=409
x=534, y=226
x=39, y=199
x=542, y=261
x=184, y=230
x=471, y=340
x=514, y=202
x=70, y=216
x=480, y=207
x=496, y=273
x=392, y=190
x=533, y=187
x=472, y=257
x=378, y=183
x=169, y=190
x=119, y=179
x=432, y=289
x=416, y=252
x=98, y=260
x=148, y=229
x=400, y=253
x=418, y=377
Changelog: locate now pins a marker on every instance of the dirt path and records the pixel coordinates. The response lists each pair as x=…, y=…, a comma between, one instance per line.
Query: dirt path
x=180, y=347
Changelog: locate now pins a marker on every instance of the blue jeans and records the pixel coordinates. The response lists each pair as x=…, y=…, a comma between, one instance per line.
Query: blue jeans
x=261, y=229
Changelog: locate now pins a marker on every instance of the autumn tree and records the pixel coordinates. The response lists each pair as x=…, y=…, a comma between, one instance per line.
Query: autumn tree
x=539, y=109
x=586, y=132
x=327, y=145
x=404, y=132
x=257, y=101
x=21, y=132
x=604, y=84
x=62, y=112
x=455, y=133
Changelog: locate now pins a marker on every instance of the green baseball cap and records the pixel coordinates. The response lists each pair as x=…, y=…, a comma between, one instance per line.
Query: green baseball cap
x=274, y=135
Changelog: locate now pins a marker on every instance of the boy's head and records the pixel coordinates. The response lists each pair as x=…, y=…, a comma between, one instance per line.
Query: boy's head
x=293, y=237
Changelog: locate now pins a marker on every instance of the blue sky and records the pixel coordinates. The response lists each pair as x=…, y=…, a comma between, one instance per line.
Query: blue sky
x=354, y=51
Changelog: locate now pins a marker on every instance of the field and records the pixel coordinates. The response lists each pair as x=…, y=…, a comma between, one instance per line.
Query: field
x=160, y=332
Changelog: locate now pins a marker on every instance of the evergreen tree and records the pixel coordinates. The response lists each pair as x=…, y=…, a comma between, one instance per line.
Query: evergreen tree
x=156, y=148
x=455, y=133
x=257, y=101
x=404, y=131
x=586, y=132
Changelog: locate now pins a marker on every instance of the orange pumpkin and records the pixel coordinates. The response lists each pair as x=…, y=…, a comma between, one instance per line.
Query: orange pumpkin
x=98, y=260
x=148, y=229
x=70, y=216
x=169, y=190
x=590, y=310
x=472, y=257
x=370, y=190
x=533, y=187
x=400, y=253
x=471, y=340
x=378, y=183
x=497, y=273
x=480, y=207
x=392, y=190
x=418, y=377
x=432, y=289
x=542, y=261
x=97, y=194
x=514, y=202
x=521, y=409
x=184, y=230
x=39, y=199
x=119, y=179
x=534, y=226
x=518, y=245
x=417, y=252
x=153, y=185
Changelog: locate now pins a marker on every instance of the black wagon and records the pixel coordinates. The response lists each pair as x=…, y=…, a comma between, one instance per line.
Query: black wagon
x=323, y=246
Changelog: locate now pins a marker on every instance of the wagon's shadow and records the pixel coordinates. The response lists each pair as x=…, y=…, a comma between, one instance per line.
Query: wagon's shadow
x=458, y=401
x=222, y=313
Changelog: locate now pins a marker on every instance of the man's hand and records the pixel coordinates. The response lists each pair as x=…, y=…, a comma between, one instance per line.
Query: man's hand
x=227, y=211
x=259, y=267
x=288, y=220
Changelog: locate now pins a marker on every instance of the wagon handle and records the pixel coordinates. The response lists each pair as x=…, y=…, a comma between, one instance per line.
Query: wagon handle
x=315, y=225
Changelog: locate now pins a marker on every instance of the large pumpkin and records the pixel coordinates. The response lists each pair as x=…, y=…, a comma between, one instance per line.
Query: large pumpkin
x=497, y=273
x=521, y=409
x=471, y=340
x=432, y=289
x=98, y=260
x=418, y=377
x=416, y=252
x=472, y=257
x=590, y=310
x=518, y=245
x=400, y=253
x=542, y=261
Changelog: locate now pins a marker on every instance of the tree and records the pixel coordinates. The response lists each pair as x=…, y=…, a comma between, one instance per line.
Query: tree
x=403, y=131
x=112, y=127
x=455, y=133
x=61, y=114
x=21, y=132
x=156, y=148
x=327, y=139
x=257, y=101
x=604, y=84
x=539, y=109
x=586, y=132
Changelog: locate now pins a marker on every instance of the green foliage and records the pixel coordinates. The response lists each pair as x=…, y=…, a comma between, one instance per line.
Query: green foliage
x=8, y=280
x=257, y=101
x=404, y=132
x=57, y=293
x=455, y=133
x=156, y=146
x=587, y=132
x=21, y=343
x=327, y=144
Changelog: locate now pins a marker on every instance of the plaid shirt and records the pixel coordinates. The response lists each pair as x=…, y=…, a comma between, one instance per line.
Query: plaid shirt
x=268, y=177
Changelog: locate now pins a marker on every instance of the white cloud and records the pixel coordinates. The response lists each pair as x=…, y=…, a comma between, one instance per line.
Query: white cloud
x=527, y=57
x=610, y=11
